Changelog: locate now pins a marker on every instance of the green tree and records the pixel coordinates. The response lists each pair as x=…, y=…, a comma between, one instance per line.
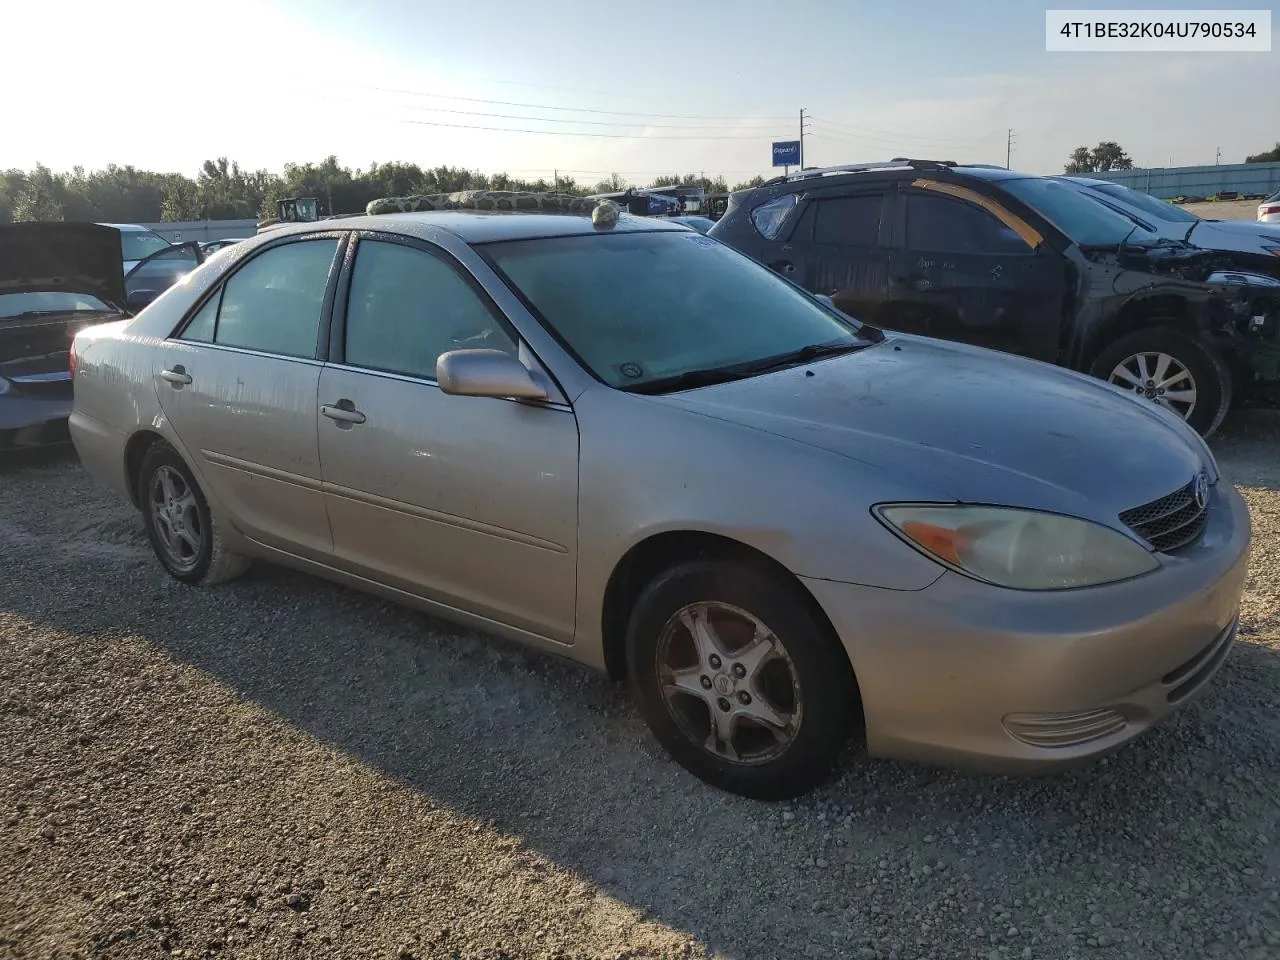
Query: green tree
x=40, y=197
x=1107, y=155
x=1267, y=156
x=181, y=200
x=755, y=181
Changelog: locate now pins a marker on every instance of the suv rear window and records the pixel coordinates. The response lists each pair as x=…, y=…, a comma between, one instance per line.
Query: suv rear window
x=768, y=217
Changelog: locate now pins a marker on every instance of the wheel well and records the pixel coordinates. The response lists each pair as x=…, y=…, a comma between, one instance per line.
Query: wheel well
x=1160, y=311
x=649, y=558
x=134, y=451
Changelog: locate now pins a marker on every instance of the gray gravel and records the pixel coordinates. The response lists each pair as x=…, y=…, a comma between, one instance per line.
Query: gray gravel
x=281, y=767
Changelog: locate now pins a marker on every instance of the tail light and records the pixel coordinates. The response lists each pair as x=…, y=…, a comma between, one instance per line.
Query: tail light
x=1268, y=211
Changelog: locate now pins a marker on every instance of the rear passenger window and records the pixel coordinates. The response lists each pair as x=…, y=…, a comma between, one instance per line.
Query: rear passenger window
x=943, y=225
x=768, y=217
x=273, y=302
x=406, y=307
x=848, y=221
x=201, y=326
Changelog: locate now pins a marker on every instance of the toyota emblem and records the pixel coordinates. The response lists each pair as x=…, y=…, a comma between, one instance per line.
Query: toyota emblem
x=1200, y=490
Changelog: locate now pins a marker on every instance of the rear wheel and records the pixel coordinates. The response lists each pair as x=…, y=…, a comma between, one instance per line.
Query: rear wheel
x=186, y=538
x=1164, y=366
x=740, y=678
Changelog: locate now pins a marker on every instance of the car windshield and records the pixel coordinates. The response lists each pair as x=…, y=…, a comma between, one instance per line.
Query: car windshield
x=49, y=301
x=1146, y=203
x=1084, y=221
x=139, y=244
x=644, y=307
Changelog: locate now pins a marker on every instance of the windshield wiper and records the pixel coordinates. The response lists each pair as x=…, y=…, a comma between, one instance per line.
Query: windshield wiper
x=34, y=314
x=738, y=371
x=812, y=351
x=688, y=380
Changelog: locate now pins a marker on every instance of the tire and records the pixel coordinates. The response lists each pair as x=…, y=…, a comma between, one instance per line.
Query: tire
x=1208, y=372
x=806, y=686
x=194, y=552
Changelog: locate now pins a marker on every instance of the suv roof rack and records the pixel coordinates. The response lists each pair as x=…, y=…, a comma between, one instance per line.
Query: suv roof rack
x=926, y=164
x=809, y=172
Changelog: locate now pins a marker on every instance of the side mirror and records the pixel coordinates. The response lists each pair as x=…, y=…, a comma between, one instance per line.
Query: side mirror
x=486, y=373
x=139, y=299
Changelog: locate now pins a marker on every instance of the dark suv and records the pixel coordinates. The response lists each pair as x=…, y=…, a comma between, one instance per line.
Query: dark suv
x=1022, y=264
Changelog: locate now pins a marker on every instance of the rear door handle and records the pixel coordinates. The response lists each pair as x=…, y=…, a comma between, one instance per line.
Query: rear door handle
x=178, y=376
x=344, y=411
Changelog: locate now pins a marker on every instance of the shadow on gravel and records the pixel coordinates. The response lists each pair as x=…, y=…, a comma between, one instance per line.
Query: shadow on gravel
x=1184, y=819
x=1248, y=440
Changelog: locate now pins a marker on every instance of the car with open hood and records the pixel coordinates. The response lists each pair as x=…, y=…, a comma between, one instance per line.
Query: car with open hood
x=1257, y=244
x=782, y=526
x=1027, y=265
x=56, y=279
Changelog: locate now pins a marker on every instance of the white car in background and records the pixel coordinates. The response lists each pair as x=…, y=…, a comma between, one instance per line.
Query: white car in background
x=1269, y=209
x=1177, y=223
x=137, y=243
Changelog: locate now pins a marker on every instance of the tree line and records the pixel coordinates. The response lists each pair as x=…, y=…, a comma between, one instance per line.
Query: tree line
x=1109, y=155
x=222, y=190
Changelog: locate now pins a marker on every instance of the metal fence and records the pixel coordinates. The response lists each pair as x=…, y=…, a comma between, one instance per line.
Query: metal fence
x=1170, y=182
x=180, y=231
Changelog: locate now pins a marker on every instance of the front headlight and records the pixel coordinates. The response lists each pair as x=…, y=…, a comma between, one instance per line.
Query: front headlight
x=1021, y=549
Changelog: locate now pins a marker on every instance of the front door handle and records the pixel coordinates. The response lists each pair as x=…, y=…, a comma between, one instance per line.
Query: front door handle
x=178, y=376
x=344, y=411
x=784, y=266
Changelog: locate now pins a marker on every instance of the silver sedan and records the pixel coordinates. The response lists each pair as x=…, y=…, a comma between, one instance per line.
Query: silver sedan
x=627, y=444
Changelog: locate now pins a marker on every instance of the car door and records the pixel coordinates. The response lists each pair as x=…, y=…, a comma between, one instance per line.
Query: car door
x=238, y=383
x=963, y=273
x=467, y=501
x=839, y=249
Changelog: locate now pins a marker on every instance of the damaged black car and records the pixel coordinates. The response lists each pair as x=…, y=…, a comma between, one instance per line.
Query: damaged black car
x=1026, y=265
x=56, y=279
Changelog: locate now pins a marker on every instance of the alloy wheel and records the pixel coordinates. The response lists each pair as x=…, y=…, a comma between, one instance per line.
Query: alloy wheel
x=727, y=681
x=179, y=530
x=1160, y=378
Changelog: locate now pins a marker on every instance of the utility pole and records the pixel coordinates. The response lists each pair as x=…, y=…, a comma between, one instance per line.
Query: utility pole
x=1218, y=157
x=1008, y=149
x=802, y=129
x=555, y=175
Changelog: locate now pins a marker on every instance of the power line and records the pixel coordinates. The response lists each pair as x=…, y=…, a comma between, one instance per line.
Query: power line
x=870, y=132
x=546, y=106
x=512, y=116
x=569, y=133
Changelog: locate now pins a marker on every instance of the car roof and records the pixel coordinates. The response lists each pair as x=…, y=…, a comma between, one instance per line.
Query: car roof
x=489, y=226
x=137, y=227
x=1089, y=181
x=897, y=168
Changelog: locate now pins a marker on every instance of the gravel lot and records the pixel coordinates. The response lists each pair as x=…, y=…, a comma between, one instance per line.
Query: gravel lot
x=283, y=768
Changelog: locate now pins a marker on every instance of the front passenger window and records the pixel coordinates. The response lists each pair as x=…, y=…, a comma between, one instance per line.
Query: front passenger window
x=273, y=303
x=406, y=307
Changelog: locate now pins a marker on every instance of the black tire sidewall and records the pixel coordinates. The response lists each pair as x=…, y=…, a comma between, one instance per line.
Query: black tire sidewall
x=827, y=686
x=1211, y=373
x=163, y=455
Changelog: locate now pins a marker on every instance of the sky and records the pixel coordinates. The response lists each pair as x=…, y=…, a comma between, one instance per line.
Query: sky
x=593, y=88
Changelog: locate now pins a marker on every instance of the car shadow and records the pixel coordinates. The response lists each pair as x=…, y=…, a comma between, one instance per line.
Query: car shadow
x=1247, y=441
x=555, y=756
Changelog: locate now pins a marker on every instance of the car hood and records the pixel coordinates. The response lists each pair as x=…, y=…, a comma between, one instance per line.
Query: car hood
x=948, y=422
x=76, y=257
x=1237, y=236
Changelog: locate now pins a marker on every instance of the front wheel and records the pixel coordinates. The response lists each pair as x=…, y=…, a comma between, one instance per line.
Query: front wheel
x=740, y=678
x=1180, y=373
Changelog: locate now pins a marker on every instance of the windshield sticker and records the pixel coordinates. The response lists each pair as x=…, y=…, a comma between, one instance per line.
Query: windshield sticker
x=630, y=370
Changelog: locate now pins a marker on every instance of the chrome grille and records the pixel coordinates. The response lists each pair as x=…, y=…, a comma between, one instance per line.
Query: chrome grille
x=1170, y=523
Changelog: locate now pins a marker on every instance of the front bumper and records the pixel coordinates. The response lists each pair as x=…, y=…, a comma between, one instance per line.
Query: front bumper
x=968, y=674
